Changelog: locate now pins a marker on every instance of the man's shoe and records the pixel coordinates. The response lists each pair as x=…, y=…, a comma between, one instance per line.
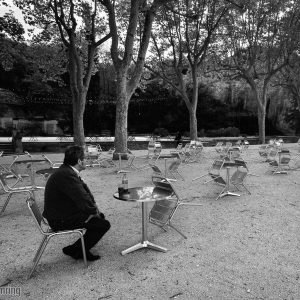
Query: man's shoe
x=91, y=257
x=71, y=252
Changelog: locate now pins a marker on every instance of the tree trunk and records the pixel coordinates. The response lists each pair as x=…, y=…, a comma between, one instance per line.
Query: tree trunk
x=261, y=115
x=121, y=117
x=193, y=124
x=78, y=111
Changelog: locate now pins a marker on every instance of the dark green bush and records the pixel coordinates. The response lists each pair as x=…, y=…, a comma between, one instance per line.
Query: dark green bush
x=229, y=131
x=161, y=132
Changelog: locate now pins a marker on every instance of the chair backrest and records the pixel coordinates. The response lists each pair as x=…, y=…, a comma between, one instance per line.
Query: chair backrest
x=3, y=182
x=218, y=147
x=163, y=210
x=157, y=148
x=285, y=158
x=271, y=142
x=264, y=150
x=273, y=153
x=174, y=165
x=239, y=175
x=192, y=143
x=151, y=148
x=93, y=149
x=216, y=167
x=199, y=145
x=235, y=153
x=240, y=162
x=111, y=150
x=156, y=169
x=245, y=145
x=228, y=144
x=217, y=164
x=35, y=212
x=161, y=182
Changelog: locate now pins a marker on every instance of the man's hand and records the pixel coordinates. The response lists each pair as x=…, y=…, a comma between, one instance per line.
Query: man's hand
x=98, y=215
x=90, y=217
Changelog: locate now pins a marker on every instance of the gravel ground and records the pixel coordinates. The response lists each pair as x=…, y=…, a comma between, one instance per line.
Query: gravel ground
x=243, y=247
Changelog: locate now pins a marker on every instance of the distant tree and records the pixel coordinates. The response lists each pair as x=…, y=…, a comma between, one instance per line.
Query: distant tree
x=289, y=79
x=185, y=31
x=11, y=27
x=11, y=35
x=257, y=43
x=79, y=27
x=130, y=23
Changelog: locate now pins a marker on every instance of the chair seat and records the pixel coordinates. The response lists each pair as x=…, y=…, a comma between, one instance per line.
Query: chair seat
x=48, y=233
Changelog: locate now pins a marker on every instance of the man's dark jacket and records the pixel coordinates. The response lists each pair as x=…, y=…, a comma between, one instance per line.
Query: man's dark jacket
x=67, y=196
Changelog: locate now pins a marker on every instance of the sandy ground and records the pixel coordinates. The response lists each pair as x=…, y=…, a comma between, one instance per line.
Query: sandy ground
x=243, y=247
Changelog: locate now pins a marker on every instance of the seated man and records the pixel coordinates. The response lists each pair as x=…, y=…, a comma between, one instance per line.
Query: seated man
x=69, y=204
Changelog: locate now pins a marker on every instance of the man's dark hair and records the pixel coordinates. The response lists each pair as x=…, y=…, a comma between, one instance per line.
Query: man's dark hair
x=72, y=154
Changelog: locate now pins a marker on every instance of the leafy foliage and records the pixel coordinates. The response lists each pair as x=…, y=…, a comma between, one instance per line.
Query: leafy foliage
x=11, y=27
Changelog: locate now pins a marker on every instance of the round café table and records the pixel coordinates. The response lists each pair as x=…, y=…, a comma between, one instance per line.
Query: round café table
x=144, y=195
x=226, y=190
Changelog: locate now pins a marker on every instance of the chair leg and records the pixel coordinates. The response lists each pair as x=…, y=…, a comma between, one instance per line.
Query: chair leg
x=40, y=247
x=246, y=189
x=177, y=230
x=83, y=250
x=199, y=177
x=38, y=256
x=190, y=204
x=5, y=203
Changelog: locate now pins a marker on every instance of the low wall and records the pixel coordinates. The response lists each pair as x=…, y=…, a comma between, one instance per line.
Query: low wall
x=59, y=144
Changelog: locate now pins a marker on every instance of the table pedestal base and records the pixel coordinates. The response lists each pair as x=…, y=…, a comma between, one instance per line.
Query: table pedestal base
x=226, y=189
x=144, y=244
x=280, y=172
x=227, y=193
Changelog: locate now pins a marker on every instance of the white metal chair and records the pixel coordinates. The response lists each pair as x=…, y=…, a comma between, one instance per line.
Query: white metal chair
x=94, y=157
x=163, y=211
x=173, y=169
x=238, y=178
x=29, y=189
x=53, y=164
x=214, y=172
x=264, y=150
x=281, y=165
x=245, y=145
x=48, y=233
x=219, y=147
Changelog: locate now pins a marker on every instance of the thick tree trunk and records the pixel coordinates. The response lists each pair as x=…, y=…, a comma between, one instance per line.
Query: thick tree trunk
x=121, y=117
x=261, y=115
x=78, y=111
x=193, y=124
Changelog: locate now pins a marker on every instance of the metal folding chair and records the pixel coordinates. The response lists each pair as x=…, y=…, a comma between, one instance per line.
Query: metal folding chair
x=245, y=145
x=94, y=157
x=264, y=150
x=14, y=190
x=281, y=165
x=214, y=172
x=238, y=178
x=163, y=211
x=239, y=162
x=219, y=147
x=272, y=155
x=48, y=233
x=173, y=169
x=53, y=164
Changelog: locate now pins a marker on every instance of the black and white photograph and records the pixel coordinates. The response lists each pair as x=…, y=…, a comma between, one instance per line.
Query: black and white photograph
x=150, y=149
